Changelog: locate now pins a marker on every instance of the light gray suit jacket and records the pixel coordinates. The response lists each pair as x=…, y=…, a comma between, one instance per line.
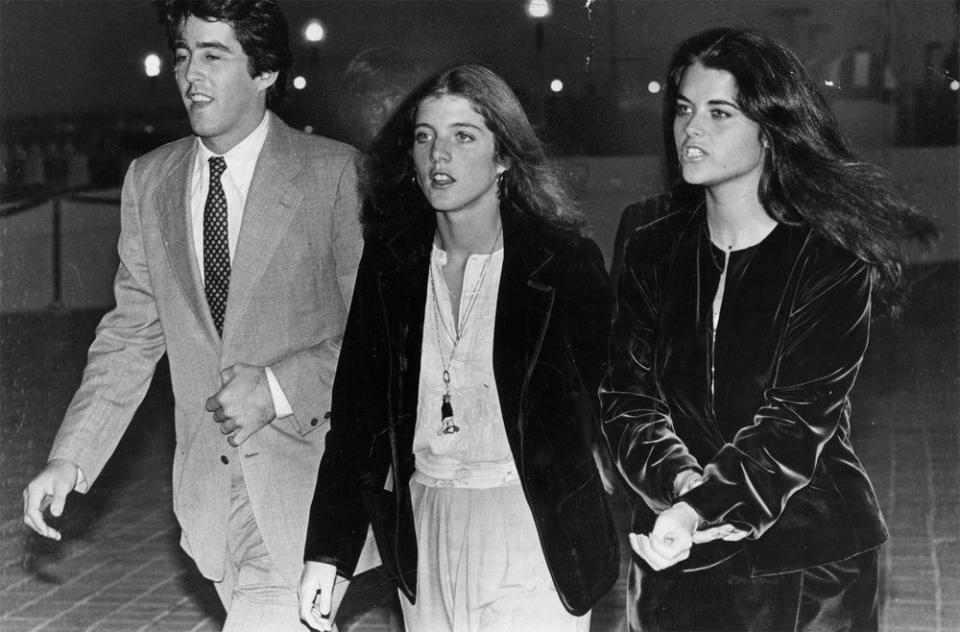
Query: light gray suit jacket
x=290, y=287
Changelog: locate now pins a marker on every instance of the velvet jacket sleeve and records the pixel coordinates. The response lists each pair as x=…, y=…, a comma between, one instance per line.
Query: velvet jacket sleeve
x=750, y=480
x=635, y=415
x=338, y=521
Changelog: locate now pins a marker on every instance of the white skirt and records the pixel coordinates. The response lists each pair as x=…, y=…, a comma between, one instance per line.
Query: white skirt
x=480, y=565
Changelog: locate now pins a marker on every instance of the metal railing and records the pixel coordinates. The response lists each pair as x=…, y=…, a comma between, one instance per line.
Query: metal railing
x=56, y=197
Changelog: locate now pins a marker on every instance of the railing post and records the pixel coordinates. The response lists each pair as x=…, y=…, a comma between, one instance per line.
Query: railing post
x=57, y=247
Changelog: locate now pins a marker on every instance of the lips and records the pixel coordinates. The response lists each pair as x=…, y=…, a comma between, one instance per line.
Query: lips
x=199, y=98
x=441, y=179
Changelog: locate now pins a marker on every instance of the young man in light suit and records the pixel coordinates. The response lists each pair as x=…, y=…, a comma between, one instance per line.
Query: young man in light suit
x=238, y=251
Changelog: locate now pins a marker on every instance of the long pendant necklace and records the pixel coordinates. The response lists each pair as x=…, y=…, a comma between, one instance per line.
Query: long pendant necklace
x=448, y=423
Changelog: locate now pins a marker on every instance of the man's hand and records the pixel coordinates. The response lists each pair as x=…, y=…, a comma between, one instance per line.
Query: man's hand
x=48, y=489
x=243, y=405
x=316, y=594
x=671, y=539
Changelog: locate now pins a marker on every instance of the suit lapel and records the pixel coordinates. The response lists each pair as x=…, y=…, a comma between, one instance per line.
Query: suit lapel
x=172, y=199
x=272, y=200
x=524, y=306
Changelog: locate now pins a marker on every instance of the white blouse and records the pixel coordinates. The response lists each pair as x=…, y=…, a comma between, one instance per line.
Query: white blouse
x=478, y=455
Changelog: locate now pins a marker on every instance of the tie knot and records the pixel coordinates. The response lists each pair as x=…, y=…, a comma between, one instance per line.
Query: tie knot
x=217, y=166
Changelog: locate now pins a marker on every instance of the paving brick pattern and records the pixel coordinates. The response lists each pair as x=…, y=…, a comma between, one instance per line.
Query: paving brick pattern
x=120, y=568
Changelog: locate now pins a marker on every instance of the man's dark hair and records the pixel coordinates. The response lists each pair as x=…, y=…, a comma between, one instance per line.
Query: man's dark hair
x=259, y=25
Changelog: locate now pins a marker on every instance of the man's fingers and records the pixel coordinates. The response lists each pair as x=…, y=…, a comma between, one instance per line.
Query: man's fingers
x=57, y=503
x=212, y=404
x=34, y=504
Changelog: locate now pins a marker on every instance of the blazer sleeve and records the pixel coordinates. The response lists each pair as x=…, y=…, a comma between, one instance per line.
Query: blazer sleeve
x=298, y=372
x=749, y=481
x=121, y=361
x=338, y=521
x=635, y=417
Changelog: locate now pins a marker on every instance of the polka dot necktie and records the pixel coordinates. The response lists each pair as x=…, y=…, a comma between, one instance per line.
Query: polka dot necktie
x=216, y=249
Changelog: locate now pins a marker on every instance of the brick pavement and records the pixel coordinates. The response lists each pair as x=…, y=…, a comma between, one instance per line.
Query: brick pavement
x=119, y=567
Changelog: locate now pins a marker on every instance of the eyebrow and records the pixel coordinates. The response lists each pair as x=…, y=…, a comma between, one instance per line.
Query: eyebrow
x=470, y=125
x=681, y=97
x=205, y=45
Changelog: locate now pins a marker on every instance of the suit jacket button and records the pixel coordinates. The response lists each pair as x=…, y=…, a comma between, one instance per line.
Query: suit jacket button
x=326, y=415
x=224, y=459
x=314, y=421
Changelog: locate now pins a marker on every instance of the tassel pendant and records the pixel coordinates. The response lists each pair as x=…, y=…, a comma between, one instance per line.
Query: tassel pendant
x=446, y=417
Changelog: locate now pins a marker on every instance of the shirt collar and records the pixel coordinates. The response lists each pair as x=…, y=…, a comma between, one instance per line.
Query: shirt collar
x=242, y=157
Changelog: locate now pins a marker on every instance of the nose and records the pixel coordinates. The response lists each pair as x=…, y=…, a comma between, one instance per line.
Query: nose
x=439, y=153
x=191, y=70
x=693, y=126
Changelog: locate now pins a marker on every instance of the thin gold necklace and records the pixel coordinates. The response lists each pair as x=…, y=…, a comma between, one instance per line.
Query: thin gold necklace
x=448, y=424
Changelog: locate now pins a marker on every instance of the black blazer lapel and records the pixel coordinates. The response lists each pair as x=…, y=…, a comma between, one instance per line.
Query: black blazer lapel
x=524, y=307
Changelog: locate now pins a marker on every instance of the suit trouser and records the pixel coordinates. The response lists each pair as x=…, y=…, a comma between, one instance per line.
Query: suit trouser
x=841, y=596
x=255, y=595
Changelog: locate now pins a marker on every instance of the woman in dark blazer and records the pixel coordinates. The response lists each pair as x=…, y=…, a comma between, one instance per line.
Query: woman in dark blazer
x=742, y=319
x=494, y=513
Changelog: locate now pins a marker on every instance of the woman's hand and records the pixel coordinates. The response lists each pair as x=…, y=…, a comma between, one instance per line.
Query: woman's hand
x=671, y=539
x=316, y=595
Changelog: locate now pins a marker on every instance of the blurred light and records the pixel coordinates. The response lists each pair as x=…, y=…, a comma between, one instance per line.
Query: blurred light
x=151, y=65
x=149, y=128
x=308, y=129
x=653, y=87
x=556, y=85
x=538, y=8
x=314, y=31
x=955, y=85
x=828, y=83
x=299, y=83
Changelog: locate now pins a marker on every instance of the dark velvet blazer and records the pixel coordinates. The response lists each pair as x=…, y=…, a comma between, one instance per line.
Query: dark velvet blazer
x=552, y=320
x=763, y=412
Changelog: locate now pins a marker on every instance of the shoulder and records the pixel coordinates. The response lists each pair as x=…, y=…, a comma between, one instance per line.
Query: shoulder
x=311, y=147
x=656, y=241
x=160, y=159
x=822, y=258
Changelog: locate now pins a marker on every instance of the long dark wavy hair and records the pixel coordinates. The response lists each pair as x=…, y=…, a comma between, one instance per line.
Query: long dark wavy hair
x=259, y=25
x=531, y=183
x=810, y=174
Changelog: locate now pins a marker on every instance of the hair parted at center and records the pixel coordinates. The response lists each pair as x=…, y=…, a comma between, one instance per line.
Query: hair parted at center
x=531, y=182
x=259, y=25
x=810, y=174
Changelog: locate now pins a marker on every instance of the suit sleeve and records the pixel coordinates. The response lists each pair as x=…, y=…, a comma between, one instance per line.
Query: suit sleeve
x=306, y=376
x=122, y=359
x=749, y=481
x=636, y=418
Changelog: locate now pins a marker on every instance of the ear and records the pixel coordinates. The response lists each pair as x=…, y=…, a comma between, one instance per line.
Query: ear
x=502, y=165
x=266, y=79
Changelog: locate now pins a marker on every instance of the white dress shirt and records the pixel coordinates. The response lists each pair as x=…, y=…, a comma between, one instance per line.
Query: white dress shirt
x=241, y=161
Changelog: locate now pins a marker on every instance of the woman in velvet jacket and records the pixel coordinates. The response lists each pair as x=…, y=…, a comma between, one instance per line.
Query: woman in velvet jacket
x=458, y=178
x=742, y=319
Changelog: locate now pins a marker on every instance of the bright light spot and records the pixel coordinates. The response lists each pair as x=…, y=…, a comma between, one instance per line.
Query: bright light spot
x=308, y=129
x=314, y=31
x=538, y=8
x=955, y=85
x=149, y=128
x=653, y=87
x=828, y=83
x=556, y=85
x=151, y=65
x=299, y=83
